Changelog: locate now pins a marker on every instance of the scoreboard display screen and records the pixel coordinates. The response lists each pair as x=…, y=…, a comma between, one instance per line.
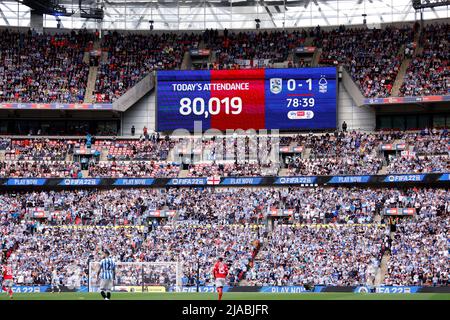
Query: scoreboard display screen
x=285, y=99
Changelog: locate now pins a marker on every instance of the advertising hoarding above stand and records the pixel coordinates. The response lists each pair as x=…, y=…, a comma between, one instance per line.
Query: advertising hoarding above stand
x=57, y=106
x=216, y=181
x=399, y=211
x=400, y=100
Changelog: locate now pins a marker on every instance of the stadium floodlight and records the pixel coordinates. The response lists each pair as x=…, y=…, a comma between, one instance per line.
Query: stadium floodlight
x=141, y=276
x=151, y=24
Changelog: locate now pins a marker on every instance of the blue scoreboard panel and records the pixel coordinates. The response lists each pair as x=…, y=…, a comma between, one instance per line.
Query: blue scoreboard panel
x=285, y=99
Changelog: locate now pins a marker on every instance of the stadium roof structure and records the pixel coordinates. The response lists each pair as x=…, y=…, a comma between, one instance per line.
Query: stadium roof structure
x=220, y=14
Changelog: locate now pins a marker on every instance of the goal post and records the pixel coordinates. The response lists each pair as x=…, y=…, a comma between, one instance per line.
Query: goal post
x=140, y=276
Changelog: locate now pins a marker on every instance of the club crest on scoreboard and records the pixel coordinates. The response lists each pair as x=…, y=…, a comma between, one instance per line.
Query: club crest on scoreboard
x=276, y=85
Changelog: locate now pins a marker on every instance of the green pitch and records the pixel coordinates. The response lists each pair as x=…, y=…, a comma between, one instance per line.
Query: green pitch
x=229, y=296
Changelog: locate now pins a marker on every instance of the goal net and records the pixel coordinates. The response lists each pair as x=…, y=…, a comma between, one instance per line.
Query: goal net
x=140, y=276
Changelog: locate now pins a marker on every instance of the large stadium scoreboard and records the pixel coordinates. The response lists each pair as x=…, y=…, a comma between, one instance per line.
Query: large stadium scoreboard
x=285, y=99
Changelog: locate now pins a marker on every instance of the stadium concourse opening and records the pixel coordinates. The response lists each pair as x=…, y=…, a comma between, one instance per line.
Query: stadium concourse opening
x=320, y=170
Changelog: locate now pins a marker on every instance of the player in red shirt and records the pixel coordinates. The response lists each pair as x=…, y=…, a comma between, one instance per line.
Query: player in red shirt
x=7, y=280
x=220, y=272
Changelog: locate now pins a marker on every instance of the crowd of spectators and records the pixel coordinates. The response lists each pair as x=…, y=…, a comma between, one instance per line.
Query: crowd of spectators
x=429, y=71
x=50, y=67
x=125, y=150
x=372, y=56
x=201, y=244
x=43, y=68
x=119, y=169
x=338, y=153
x=40, y=169
x=263, y=48
x=362, y=164
x=131, y=57
x=70, y=249
x=224, y=222
x=426, y=151
x=342, y=153
x=428, y=142
x=219, y=205
x=419, y=164
x=37, y=149
x=420, y=248
x=343, y=256
x=248, y=169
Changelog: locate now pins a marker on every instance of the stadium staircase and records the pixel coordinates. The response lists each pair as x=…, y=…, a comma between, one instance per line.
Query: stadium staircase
x=383, y=169
x=183, y=173
x=212, y=57
x=104, y=154
x=2, y=155
x=90, y=86
x=400, y=76
x=291, y=56
x=309, y=41
x=69, y=157
x=382, y=270
x=187, y=61
x=316, y=57
x=92, y=77
x=86, y=57
x=404, y=66
x=379, y=279
x=104, y=57
x=306, y=154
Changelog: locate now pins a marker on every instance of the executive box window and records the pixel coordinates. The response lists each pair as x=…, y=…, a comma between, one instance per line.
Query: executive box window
x=59, y=127
x=413, y=122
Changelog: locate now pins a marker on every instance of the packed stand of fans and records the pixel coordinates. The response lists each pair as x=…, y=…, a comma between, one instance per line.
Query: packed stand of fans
x=420, y=248
x=40, y=169
x=211, y=223
x=43, y=68
x=38, y=149
x=119, y=169
x=218, y=205
x=125, y=150
x=202, y=244
x=46, y=68
x=132, y=57
x=48, y=158
x=341, y=153
x=248, y=169
x=231, y=156
x=429, y=71
x=343, y=256
x=428, y=152
x=372, y=56
x=268, y=47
